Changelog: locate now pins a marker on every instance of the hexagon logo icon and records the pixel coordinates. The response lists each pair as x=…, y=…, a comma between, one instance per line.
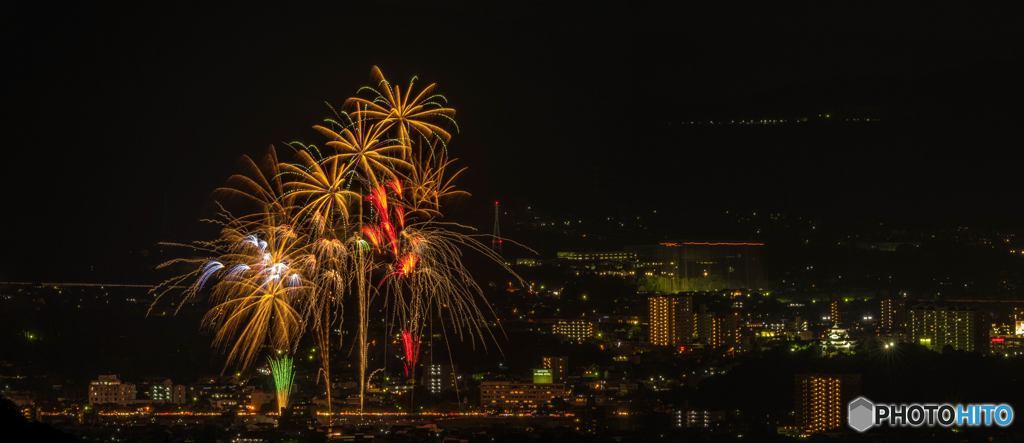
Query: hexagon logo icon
x=860, y=414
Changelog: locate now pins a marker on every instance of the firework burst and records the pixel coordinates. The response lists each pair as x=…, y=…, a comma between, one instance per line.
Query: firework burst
x=328, y=228
x=368, y=147
x=412, y=112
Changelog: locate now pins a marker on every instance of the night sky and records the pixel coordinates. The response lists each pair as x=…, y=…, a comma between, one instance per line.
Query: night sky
x=118, y=123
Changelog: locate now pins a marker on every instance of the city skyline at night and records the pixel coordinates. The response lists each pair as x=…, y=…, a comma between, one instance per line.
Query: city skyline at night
x=512, y=222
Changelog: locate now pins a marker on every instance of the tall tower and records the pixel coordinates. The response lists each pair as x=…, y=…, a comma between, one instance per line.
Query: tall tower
x=496, y=240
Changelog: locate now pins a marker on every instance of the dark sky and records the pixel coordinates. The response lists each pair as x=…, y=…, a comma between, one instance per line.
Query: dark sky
x=118, y=122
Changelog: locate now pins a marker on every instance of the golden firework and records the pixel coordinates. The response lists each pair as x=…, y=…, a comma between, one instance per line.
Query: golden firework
x=431, y=181
x=321, y=230
x=410, y=111
x=320, y=189
x=368, y=147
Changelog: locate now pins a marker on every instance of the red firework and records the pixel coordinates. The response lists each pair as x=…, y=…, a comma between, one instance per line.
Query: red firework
x=411, y=346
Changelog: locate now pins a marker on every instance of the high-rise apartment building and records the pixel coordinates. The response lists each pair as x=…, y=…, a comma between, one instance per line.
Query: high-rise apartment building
x=670, y=319
x=821, y=400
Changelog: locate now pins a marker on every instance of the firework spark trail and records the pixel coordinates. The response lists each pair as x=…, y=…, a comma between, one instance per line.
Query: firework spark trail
x=281, y=368
x=431, y=181
x=363, y=268
x=411, y=347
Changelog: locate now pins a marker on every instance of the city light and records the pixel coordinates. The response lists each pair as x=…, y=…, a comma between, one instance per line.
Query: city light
x=228, y=223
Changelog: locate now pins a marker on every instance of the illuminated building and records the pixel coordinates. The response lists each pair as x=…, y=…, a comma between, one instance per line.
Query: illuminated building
x=161, y=392
x=1007, y=339
x=732, y=328
x=529, y=262
x=887, y=316
x=585, y=257
x=821, y=400
x=674, y=267
x=178, y=395
x=1001, y=329
x=833, y=312
x=575, y=330
x=437, y=378
x=1007, y=346
x=607, y=263
x=697, y=418
x=717, y=330
x=108, y=389
x=559, y=367
x=298, y=416
x=223, y=394
x=542, y=376
x=936, y=327
x=709, y=329
x=679, y=418
x=164, y=391
x=670, y=319
x=837, y=341
x=519, y=396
